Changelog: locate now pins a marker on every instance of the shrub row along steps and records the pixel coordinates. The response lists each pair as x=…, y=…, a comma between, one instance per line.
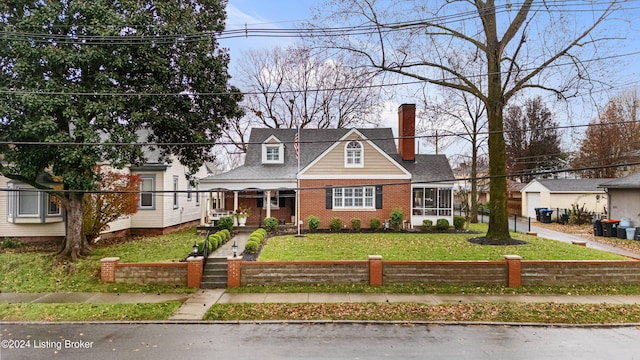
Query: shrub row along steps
x=214, y=275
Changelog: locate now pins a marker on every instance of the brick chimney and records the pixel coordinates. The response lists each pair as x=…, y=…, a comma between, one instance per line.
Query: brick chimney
x=407, y=131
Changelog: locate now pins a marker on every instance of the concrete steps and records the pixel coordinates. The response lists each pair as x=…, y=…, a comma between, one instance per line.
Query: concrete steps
x=214, y=275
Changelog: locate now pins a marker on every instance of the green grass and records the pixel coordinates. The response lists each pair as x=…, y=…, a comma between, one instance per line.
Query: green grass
x=420, y=246
x=88, y=312
x=551, y=313
x=36, y=271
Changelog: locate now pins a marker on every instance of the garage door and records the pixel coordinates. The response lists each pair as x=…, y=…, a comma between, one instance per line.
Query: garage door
x=533, y=202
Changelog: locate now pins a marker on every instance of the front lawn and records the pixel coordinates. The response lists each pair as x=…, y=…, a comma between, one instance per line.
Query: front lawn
x=35, y=270
x=420, y=246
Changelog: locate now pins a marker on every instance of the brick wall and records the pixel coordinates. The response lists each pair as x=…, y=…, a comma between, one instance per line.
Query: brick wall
x=187, y=273
x=580, y=272
x=313, y=202
x=450, y=272
x=153, y=273
x=304, y=272
x=510, y=272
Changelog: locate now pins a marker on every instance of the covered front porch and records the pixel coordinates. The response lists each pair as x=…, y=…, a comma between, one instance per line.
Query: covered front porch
x=253, y=202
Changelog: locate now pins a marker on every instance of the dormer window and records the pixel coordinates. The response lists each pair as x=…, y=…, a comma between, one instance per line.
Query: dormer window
x=272, y=151
x=353, y=156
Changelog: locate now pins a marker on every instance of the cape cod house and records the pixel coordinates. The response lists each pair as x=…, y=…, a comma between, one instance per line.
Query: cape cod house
x=334, y=173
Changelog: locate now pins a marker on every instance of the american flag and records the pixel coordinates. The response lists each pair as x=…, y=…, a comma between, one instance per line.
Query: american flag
x=295, y=143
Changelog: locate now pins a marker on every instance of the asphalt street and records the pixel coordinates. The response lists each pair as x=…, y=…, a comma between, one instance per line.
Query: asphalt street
x=313, y=341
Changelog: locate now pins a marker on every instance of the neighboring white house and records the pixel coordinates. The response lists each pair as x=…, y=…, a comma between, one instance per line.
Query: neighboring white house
x=624, y=198
x=562, y=193
x=166, y=201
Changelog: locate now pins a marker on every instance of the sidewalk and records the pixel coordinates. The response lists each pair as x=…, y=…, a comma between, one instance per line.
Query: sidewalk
x=197, y=304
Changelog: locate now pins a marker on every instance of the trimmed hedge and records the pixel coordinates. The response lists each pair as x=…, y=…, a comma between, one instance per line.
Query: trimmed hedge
x=254, y=241
x=270, y=224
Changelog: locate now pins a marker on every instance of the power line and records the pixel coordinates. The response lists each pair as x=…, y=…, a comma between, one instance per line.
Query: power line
x=200, y=144
x=229, y=93
x=435, y=181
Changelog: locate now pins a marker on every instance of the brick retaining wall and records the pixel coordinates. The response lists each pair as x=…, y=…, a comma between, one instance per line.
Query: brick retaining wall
x=580, y=272
x=304, y=272
x=187, y=273
x=450, y=272
x=511, y=272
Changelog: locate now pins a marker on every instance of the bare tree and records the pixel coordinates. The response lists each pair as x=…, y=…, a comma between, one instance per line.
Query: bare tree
x=533, y=140
x=289, y=87
x=522, y=45
x=459, y=117
x=612, y=139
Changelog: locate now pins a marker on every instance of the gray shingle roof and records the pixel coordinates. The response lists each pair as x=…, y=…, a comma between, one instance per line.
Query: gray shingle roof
x=561, y=185
x=630, y=182
x=313, y=142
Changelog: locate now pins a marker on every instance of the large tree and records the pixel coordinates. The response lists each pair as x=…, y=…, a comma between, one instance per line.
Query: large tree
x=291, y=86
x=611, y=140
x=523, y=45
x=81, y=79
x=532, y=140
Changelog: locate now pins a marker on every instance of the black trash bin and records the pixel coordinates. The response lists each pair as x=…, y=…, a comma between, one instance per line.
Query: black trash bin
x=622, y=232
x=597, y=227
x=610, y=228
x=545, y=216
x=538, y=213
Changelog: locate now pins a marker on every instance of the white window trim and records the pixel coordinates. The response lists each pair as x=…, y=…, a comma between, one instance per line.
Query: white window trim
x=273, y=142
x=338, y=198
x=346, y=156
x=42, y=199
x=151, y=178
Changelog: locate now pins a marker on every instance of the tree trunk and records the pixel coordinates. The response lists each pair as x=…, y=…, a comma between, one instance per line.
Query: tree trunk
x=473, y=211
x=75, y=244
x=498, y=211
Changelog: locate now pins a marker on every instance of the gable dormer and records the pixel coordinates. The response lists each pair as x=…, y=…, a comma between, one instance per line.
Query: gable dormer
x=272, y=151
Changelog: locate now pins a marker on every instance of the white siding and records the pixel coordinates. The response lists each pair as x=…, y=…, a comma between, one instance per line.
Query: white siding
x=8, y=229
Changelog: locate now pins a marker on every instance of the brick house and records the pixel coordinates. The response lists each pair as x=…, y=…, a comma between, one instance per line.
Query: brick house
x=344, y=173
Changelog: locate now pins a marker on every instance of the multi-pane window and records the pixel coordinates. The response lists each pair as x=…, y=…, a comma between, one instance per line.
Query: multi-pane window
x=354, y=197
x=353, y=154
x=431, y=201
x=273, y=153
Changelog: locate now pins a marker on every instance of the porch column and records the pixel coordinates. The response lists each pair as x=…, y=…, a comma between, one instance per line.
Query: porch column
x=235, y=207
x=268, y=201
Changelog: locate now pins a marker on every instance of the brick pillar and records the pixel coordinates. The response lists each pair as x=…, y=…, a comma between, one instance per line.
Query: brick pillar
x=194, y=271
x=375, y=270
x=233, y=271
x=514, y=270
x=108, y=269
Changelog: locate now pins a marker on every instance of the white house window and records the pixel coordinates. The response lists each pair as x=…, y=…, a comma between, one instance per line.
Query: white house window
x=189, y=192
x=274, y=200
x=147, y=197
x=431, y=201
x=175, y=192
x=28, y=204
x=354, y=197
x=353, y=154
x=272, y=151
